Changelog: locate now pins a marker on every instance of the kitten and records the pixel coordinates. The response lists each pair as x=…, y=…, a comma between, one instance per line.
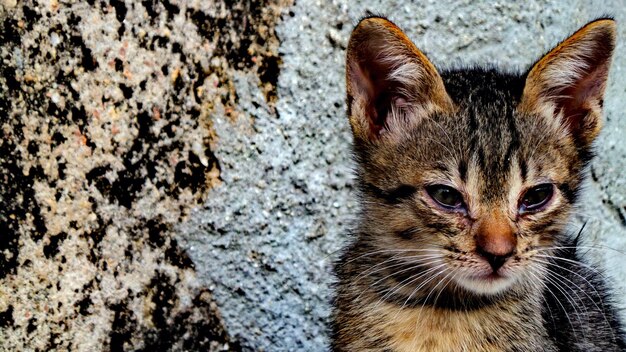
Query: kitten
x=467, y=179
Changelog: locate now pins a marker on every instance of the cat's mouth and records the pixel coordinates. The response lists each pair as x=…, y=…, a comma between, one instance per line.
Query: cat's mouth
x=492, y=276
x=486, y=282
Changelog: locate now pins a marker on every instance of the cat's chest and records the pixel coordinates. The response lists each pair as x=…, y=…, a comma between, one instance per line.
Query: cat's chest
x=429, y=329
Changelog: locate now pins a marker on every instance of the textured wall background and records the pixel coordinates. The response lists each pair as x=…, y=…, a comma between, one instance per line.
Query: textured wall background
x=177, y=173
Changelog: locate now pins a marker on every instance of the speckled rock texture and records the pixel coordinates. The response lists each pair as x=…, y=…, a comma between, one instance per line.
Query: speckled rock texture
x=106, y=144
x=176, y=175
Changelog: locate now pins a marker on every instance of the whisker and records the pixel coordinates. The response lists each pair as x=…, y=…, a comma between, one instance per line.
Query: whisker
x=401, y=250
x=413, y=292
x=598, y=247
x=551, y=279
x=454, y=274
x=371, y=285
x=424, y=304
x=577, y=262
x=600, y=298
x=565, y=312
x=570, y=271
x=412, y=280
x=415, y=264
x=563, y=286
x=530, y=272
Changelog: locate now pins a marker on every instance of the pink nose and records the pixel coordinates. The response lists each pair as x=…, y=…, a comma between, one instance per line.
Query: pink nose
x=495, y=241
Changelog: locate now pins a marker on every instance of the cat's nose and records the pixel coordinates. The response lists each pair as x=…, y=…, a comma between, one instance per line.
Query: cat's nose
x=496, y=261
x=496, y=241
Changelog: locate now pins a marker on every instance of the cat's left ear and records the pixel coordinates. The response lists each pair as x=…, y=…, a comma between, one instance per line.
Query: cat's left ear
x=569, y=82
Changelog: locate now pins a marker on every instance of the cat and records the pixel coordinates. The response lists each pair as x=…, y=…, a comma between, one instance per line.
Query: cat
x=467, y=178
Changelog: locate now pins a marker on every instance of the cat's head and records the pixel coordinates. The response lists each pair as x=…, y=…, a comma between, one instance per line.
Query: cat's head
x=472, y=173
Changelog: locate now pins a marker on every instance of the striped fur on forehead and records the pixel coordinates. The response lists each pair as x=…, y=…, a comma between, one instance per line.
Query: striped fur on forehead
x=486, y=127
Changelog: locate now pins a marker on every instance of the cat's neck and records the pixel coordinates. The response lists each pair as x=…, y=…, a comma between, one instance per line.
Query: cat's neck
x=497, y=327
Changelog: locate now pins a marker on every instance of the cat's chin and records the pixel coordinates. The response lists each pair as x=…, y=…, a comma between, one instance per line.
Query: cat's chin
x=486, y=284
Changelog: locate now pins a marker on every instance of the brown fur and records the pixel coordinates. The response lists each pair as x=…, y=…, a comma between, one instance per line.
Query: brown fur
x=420, y=276
x=431, y=329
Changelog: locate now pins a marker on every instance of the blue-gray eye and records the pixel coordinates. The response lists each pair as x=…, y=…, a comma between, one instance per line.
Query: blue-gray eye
x=445, y=196
x=535, y=198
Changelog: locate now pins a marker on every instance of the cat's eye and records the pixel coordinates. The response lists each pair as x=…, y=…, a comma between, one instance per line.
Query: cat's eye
x=535, y=198
x=445, y=196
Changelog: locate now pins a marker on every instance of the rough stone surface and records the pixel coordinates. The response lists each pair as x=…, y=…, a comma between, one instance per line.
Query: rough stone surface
x=177, y=174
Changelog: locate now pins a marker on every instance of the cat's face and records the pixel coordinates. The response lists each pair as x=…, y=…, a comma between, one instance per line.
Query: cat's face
x=469, y=177
x=476, y=190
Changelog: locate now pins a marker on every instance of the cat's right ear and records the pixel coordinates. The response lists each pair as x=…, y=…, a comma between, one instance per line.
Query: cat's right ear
x=567, y=85
x=391, y=85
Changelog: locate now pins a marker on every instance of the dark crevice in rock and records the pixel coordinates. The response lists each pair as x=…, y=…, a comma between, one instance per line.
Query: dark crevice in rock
x=157, y=232
x=32, y=326
x=52, y=248
x=620, y=213
x=120, y=9
x=176, y=329
x=177, y=256
x=123, y=328
x=6, y=318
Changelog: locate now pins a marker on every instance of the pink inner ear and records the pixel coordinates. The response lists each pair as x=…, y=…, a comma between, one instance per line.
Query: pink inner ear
x=369, y=79
x=400, y=102
x=577, y=100
x=590, y=87
x=363, y=86
x=360, y=81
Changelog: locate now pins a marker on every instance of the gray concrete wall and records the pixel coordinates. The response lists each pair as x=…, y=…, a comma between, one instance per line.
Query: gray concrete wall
x=178, y=173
